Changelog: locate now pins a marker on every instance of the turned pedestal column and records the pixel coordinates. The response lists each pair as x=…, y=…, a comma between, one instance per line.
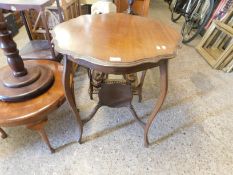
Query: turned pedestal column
x=17, y=82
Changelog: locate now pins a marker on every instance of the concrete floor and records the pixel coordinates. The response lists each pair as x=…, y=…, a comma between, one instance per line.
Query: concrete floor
x=192, y=134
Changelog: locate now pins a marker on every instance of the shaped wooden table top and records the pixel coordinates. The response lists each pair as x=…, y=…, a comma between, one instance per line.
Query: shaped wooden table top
x=116, y=40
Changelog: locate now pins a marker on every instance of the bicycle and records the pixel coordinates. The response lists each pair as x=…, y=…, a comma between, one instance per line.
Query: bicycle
x=175, y=6
x=196, y=14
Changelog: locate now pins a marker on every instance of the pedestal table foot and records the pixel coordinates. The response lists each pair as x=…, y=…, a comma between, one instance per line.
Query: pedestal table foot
x=39, y=127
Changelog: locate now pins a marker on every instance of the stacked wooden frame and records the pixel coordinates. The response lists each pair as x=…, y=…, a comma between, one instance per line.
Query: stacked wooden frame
x=217, y=44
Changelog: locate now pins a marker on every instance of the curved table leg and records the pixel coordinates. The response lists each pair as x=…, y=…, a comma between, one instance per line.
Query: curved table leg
x=3, y=133
x=141, y=85
x=39, y=127
x=69, y=95
x=163, y=91
x=90, y=85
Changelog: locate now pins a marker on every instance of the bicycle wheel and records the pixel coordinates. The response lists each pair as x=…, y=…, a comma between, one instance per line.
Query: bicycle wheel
x=196, y=19
x=174, y=15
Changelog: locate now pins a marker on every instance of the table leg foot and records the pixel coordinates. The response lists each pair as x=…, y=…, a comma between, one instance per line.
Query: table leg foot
x=146, y=143
x=163, y=91
x=70, y=96
x=39, y=127
x=3, y=133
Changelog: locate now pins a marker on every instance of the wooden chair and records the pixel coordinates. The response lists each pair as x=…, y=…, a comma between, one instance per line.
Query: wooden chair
x=33, y=113
x=67, y=9
x=71, y=9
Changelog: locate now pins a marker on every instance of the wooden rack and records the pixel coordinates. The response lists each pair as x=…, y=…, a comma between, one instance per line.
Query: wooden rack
x=217, y=44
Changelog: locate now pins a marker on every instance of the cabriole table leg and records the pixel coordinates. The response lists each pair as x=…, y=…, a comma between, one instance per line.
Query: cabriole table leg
x=39, y=127
x=69, y=94
x=163, y=91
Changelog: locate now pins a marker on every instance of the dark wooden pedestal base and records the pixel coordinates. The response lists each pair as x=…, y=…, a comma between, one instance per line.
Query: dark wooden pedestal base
x=38, y=79
x=19, y=81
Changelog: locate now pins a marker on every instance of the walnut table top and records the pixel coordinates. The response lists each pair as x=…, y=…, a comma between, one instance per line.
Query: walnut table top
x=117, y=40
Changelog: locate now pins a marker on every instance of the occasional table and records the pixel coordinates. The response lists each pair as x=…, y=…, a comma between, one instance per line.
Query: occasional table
x=33, y=113
x=29, y=90
x=116, y=44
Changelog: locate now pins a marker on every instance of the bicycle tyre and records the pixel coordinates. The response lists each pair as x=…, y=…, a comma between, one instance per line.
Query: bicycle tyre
x=200, y=28
x=174, y=16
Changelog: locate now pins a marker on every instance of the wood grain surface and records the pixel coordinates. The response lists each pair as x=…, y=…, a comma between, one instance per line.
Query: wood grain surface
x=116, y=39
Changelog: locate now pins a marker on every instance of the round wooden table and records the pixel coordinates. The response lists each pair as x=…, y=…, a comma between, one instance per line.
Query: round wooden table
x=116, y=44
x=33, y=112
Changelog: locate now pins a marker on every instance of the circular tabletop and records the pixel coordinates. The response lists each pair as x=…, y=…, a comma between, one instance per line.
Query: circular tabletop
x=32, y=110
x=116, y=39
